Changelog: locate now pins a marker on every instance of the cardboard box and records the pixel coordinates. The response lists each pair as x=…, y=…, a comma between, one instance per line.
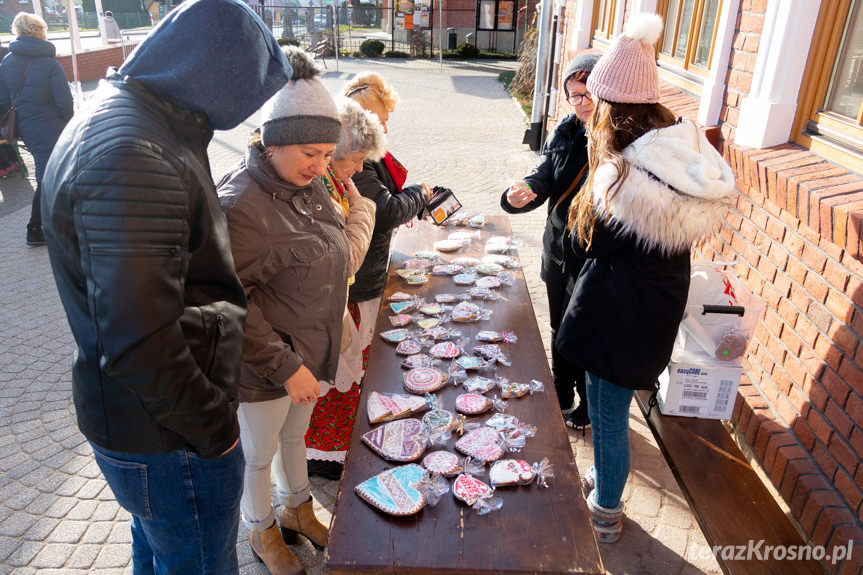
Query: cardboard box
x=701, y=386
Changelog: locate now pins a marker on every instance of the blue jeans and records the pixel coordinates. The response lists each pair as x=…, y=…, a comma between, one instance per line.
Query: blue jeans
x=608, y=408
x=185, y=510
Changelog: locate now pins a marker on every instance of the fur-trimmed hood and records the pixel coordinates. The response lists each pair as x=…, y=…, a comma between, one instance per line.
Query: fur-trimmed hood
x=676, y=193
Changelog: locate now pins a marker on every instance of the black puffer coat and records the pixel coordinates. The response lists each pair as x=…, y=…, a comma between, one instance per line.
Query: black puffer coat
x=394, y=208
x=563, y=156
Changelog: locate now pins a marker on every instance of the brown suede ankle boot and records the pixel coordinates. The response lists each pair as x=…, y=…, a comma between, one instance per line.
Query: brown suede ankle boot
x=302, y=520
x=268, y=548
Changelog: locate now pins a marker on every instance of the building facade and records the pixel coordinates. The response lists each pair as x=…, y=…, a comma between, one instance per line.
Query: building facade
x=778, y=85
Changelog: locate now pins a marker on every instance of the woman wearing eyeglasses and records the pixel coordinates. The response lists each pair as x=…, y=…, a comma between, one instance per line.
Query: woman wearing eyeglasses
x=556, y=179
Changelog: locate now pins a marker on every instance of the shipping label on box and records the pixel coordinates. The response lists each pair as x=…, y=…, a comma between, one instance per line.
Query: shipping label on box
x=699, y=389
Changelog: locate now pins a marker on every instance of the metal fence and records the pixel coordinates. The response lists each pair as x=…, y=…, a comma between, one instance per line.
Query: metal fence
x=346, y=27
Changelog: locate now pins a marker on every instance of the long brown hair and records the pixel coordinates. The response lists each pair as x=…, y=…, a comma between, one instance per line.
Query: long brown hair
x=612, y=127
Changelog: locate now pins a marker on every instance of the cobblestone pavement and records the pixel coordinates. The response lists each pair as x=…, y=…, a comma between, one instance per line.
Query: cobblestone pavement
x=454, y=127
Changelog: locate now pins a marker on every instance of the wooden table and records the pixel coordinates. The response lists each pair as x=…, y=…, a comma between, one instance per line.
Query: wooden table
x=537, y=530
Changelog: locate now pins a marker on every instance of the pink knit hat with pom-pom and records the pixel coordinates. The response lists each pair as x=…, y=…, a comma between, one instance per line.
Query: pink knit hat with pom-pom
x=626, y=72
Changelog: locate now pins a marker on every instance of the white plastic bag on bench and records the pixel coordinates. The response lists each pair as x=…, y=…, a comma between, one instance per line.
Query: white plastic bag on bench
x=721, y=313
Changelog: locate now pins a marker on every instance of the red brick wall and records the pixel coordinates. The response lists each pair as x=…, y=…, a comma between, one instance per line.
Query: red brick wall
x=92, y=64
x=797, y=232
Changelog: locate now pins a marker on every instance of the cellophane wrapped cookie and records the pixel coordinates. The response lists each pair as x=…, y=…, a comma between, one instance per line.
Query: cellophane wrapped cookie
x=382, y=407
x=400, y=440
x=392, y=491
x=424, y=380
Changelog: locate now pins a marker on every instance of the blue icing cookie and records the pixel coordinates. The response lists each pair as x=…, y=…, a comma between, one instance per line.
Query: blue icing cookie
x=391, y=491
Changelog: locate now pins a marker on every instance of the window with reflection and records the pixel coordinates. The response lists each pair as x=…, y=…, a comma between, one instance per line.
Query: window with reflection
x=689, y=33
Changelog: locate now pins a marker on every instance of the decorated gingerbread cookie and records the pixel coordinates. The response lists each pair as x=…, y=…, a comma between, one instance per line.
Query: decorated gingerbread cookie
x=470, y=362
x=510, y=472
x=447, y=245
x=428, y=322
x=443, y=463
x=439, y=420
x=468, y=488
x=465, y=261
x=408, y=347
x=464, y=279
x=431, y=309
x=466, y=311
x=402, y=440
x=424, y=379
x=508, y=390
x=400, y=320
x=472, y=403
x=446, y=350
x=400, y=296
x=402, y=306
x=395, y=335
x=502, y=422
x=387, y=406
x=483, y=443
x=478, y=384
x=391, y=491
x=489, y=268
x=417, y=360
x=446, y=298
x=488, y=282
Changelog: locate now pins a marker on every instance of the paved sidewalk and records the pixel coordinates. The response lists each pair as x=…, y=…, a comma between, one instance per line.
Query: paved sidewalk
x=455, y=128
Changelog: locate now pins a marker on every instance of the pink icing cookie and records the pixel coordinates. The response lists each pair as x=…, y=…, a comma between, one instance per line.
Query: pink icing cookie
x=472, y=403
x=424, y=379
x=481, y=443
x=443, y=463
x=401, y=440
x=469, y=489
x=446, y=349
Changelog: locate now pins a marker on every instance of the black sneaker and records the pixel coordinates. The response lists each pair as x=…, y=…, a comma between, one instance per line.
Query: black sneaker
x=34, y=235
x=578, y=419
x=325, y=469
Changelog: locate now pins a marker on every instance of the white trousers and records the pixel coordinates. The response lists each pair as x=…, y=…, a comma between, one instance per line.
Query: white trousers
x=273, y=437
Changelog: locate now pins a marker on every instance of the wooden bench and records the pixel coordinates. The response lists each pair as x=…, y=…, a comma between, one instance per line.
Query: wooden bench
x=726, y=495
x=537, y=530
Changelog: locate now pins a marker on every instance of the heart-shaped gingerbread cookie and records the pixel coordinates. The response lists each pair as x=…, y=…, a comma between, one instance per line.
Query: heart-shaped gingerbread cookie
x=402, y=440
x=391, y=491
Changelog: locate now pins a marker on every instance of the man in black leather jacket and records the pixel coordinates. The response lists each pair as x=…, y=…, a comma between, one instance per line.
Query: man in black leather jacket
x=140, y=253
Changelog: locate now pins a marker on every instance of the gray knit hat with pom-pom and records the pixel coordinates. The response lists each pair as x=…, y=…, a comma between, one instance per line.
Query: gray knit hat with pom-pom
x=302, y=112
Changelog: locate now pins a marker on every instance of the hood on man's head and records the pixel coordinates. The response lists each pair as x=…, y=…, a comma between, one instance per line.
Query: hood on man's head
x=212, y=56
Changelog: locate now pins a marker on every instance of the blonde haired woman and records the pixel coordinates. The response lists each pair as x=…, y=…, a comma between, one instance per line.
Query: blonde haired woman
x=31, y=76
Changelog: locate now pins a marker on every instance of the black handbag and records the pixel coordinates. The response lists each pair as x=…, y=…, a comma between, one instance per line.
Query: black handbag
x=9, y=122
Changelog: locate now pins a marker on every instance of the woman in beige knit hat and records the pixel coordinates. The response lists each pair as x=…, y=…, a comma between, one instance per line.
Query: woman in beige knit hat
x=656, y=186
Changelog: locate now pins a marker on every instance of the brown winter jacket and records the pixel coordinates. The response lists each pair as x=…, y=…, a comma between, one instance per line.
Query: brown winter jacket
x=291, y=253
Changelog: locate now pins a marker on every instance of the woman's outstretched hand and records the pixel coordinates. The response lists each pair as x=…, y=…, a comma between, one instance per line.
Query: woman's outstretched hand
x=519, y=195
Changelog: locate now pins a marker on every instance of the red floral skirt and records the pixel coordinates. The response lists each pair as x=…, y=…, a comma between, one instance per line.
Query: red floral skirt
x=333, y=416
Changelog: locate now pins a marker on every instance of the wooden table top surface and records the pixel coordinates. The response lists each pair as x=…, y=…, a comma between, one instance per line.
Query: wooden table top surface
x=536, y=530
